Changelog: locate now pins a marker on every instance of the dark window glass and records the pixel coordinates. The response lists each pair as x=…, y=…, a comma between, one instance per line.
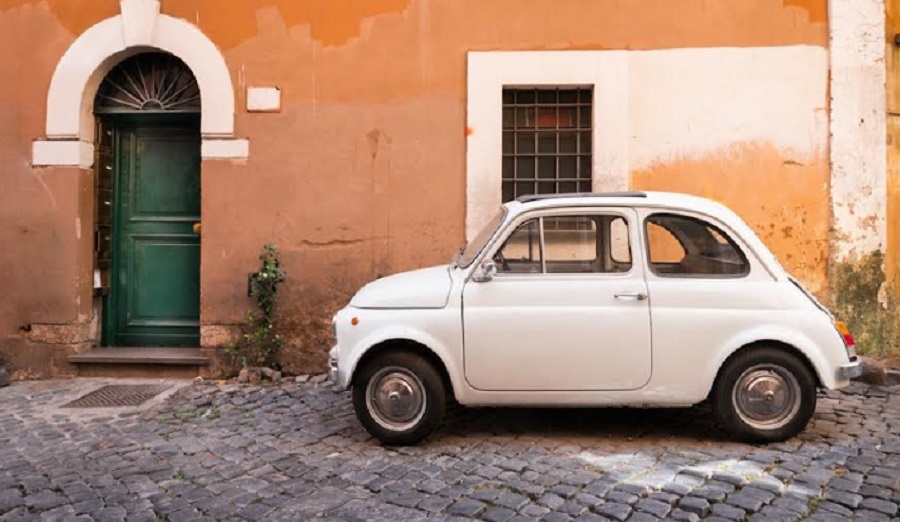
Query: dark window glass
x=681, y=246
x=546, y=140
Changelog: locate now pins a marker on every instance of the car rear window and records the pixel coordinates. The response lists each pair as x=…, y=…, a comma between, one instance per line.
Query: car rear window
x=682, y=246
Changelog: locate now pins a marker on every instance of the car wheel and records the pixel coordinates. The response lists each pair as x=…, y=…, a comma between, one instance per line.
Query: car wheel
x=399, y=398
x=765, y=394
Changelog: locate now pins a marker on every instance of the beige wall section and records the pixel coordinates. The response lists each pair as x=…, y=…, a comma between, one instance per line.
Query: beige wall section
x=361, y=173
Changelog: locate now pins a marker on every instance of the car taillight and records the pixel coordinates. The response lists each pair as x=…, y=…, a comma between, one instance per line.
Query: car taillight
x=849, y=343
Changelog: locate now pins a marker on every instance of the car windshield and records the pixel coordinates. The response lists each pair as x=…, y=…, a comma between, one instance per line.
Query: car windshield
x=468, y=253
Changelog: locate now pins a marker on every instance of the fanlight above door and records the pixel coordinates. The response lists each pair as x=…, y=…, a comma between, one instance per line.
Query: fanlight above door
x=149, y=83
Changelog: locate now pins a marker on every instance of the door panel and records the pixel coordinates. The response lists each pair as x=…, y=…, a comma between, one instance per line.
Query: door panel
x=558, y=332
x=155, y=298
x=162, y=259
x=166, y=177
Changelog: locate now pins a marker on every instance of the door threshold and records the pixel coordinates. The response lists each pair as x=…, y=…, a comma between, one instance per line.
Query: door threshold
x=142, y=356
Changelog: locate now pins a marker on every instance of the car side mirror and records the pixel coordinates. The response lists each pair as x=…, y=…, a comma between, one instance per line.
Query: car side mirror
x=485, y=272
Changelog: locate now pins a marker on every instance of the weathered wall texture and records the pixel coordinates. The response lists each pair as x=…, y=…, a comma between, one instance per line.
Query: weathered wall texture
x=747, y=127
x=362, y=173
x=858, y=154
x=892, y=68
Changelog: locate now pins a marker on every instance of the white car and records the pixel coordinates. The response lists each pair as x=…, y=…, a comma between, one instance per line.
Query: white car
x=611, y=299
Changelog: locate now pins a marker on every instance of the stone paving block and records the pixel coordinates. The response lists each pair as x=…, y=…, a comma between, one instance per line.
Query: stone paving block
x=683, y=516
x=696, y=505
x=727, y=511
x=834, y=508
x=879, y=505
x=467, y=507
x=591, y=517
x=614, y=510
x=497, y=514
x=654, y=507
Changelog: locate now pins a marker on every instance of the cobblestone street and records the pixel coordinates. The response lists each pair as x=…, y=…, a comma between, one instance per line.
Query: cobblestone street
x=296, y=452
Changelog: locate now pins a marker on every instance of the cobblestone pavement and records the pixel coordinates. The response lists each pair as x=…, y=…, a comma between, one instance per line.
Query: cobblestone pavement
x=296, y=452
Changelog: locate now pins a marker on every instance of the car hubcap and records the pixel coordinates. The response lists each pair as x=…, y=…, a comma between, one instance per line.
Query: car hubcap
x=395, y=398
x=766, y=396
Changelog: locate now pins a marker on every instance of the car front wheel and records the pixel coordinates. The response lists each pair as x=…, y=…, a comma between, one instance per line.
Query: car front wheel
x=399, y=397
x=765, y=394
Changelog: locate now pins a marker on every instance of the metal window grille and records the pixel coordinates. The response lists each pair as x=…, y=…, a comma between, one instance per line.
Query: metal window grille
x=547, y=137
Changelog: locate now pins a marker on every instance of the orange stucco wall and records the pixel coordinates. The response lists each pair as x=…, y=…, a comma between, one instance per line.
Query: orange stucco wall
x=362, y=173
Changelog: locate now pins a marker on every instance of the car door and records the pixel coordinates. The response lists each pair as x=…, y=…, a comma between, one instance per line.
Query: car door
x=567, y=310
x=707, y=289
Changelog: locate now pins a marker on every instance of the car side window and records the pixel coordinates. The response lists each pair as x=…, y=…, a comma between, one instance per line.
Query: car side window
x=521, y=254
x=681, y=246
x=572, y=244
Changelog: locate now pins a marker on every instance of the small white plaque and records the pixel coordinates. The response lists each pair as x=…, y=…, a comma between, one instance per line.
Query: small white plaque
x=263, y=99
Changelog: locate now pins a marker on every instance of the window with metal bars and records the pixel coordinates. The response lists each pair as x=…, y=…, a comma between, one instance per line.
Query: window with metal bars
x=547, y=137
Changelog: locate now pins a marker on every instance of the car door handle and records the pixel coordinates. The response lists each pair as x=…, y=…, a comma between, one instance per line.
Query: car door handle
x=631, y=296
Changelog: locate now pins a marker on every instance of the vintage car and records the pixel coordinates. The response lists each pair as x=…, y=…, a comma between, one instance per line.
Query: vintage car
x=587, y=300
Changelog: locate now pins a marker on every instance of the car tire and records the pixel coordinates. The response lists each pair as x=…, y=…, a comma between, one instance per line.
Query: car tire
x=399, y=397
x=764, y=394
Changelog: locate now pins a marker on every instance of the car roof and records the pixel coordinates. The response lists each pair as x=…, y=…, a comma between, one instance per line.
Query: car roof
x=656, y=200
x=672, y=200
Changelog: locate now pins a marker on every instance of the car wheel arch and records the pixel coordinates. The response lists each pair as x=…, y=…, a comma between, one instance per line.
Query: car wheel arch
x=788, y=347
x=409, y=346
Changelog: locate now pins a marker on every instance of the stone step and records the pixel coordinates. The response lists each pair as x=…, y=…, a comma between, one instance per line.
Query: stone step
x=153, y=362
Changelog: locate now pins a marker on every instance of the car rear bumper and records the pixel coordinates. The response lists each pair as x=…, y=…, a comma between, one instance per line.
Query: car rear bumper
x=849, y=371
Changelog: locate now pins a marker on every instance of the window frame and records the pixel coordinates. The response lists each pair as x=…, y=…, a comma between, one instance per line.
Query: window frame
x=632, y=221
x=582, y=130
x=719, y=228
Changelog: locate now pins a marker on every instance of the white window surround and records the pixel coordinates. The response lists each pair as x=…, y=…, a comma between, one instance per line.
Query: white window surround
x=488, y=72
x=95, y=52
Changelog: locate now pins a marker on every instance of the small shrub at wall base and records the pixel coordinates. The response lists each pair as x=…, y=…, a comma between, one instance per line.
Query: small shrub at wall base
x=261, y=342
x=869, y=305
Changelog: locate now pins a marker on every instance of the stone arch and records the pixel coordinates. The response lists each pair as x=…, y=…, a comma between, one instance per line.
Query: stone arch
x=140, y=27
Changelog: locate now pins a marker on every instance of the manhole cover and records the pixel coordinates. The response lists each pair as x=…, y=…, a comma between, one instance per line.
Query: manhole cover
x=116, y=395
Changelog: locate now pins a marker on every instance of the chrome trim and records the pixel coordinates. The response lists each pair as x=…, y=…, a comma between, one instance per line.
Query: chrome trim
x=766, y=397
x=334, y=373
x=849, y=371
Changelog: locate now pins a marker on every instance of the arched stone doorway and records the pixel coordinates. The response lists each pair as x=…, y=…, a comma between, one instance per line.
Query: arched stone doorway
x=71, y=147
x=147, y=186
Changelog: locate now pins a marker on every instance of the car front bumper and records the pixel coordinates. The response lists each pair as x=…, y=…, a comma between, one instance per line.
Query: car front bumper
x=334, y=371
x=849, y=371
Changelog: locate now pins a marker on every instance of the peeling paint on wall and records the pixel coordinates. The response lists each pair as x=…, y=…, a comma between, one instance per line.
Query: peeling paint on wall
x=858, y=123
x=784, y=203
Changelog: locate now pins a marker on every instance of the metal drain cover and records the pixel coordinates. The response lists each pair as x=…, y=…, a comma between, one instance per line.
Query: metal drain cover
x=117, y=395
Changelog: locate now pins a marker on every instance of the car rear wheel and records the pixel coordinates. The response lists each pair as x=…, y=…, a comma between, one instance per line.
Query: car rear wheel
x=765, y=394
x=399, y=397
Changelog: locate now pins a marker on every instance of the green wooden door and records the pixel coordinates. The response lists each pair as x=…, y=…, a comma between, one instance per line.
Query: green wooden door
x=154, y=295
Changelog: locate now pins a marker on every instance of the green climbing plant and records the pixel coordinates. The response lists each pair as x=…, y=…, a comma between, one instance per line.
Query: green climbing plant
x=260, y=342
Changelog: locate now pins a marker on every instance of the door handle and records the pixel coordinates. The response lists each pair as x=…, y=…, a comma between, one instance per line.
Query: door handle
x=631, y=296
x=196, y=227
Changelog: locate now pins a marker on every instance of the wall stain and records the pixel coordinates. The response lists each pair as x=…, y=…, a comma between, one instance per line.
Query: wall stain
x=863, y=299
x=75, y=15
x=332, y=23
x=792, y=219
x=815, y=9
